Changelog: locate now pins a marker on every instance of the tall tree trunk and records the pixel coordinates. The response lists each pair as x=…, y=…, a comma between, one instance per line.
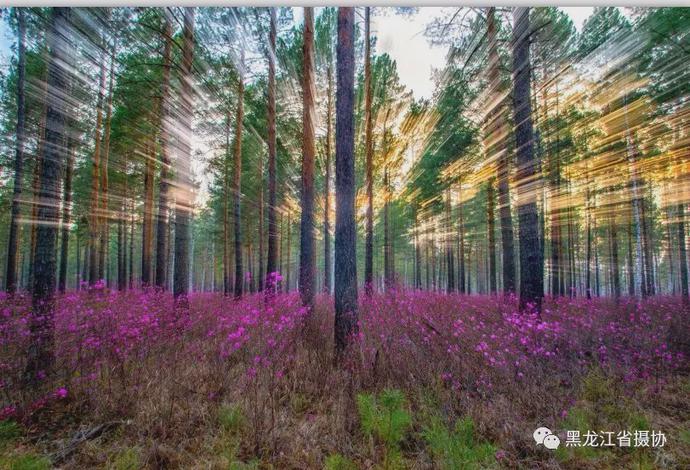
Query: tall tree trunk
x=531, y=268
x=588, y=256
x=498, y=129
x=490, y=221
x=327, y=187
x=147, y=226
x=104, y=224
x=345, y=228
x=162, y=222
x=226, y=222
x=288, y=261
x=272, y=255
x=41, y=322
x=616, y=278
x=369, y=150
x=130, y=273
x=13, y=238
x=259, y=271
x=94, y=233
x=237, y=181
x=66, y=206
x=307, y=259
x=184, y=199
x=417, y=253
x=682, y=253
x=449, y=245
x=631, y=266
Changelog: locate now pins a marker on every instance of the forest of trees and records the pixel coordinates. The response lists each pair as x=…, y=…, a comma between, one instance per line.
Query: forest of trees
x=540, y=166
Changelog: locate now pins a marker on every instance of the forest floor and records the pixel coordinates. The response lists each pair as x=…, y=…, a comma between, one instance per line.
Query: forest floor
x=432, y=381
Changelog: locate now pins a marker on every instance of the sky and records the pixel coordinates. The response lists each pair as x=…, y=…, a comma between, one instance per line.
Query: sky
x=402, y=37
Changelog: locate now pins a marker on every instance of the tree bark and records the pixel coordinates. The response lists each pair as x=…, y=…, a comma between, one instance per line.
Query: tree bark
x=369, y=150
x=41, y=322
x=346, y=324
x=104, y=224
x=162, y=226
x=272, y=255
x=147, y=226
x=490, y=223
x=237, y=182
x=531, y=268
x=13, y=238
x=307, y=259
x=66, y=206
x=184, y=200
x=327, y=187
x=682, y=252
x=94, y=216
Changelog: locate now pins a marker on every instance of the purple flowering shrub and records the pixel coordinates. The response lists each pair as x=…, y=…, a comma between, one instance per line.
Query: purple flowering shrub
x=133, y=355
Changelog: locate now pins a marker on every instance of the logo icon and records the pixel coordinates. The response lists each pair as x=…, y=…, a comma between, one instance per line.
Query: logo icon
x=544, y=436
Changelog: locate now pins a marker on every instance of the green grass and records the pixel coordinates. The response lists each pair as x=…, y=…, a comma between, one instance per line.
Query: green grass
x=459, y=448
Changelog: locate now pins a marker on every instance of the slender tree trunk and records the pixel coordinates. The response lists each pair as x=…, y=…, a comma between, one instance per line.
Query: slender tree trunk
x=615, y=281
x=104, y=223
x=288, y=261
x=162, y=221
x=130, y=274
x=369, y=151
x=588, y=260
x=346, y=324
x=94, y=232
x=682, y=253
x=531, y=268
x=237, y=182
x=184, y=199
x=497, y=127
x=64, y=248
x=147, y=227
x=226, y=221
x=13, y=238
x=260, y=267
x=631, y=265
x=272, y=255
x=307, y=262
x=327, y=187
x=417, y=253
x=41, y=322
x=490, y=221
x=449, y=245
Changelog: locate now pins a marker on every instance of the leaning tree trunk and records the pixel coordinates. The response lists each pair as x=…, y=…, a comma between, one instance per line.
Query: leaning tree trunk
x=345, y=228
x=369, y=150
x=13, y=239
x=162, y=222
x=531, y=268
x=307, y=261
x=184, y=201
x=41, y=323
